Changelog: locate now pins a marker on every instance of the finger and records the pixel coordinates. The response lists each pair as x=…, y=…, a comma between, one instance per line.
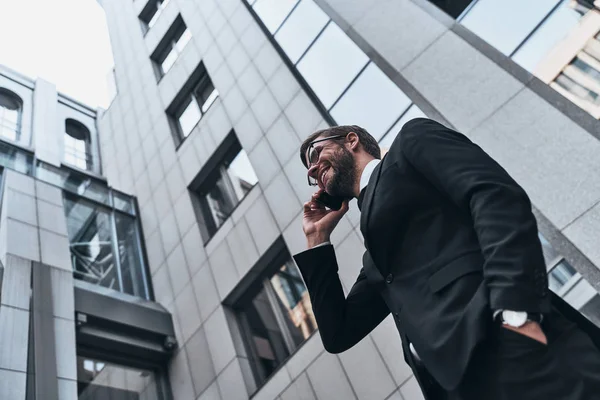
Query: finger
x=316, y=194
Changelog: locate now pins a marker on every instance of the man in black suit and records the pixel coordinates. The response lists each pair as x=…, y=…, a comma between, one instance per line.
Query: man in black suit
x=452, y=251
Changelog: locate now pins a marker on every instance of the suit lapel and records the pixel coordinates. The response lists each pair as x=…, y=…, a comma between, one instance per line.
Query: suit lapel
x=368, y=201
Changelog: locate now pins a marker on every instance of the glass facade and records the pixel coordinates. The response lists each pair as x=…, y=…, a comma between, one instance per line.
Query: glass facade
x=556, y=40
x=276, y=318
x=354, y=91
x=105, y=242
x=99, y=380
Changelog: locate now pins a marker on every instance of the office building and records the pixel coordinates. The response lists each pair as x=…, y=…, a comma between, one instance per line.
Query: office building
x=146, y=248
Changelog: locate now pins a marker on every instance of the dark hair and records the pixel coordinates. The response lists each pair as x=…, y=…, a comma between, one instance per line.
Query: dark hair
x=367, y=141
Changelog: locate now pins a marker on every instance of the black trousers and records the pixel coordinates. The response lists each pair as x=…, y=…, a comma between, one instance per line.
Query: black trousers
x=511, y=366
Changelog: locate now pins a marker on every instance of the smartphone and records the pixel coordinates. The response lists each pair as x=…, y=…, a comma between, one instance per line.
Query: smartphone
x=331, y=202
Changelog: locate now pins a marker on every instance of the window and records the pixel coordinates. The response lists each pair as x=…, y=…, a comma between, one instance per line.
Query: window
x=273, y=12
x=15, y=158
x=98, y=380
x=77, y=145
x=275, y=316
x=192, y=102
x=11, y=108
x=454, y=7
x=488, y=19
x=225, y=180
x=169, y=49
x=321, y=66
x=412, y=113
x=105, y=244
x=372, y=100
x=150, y=13
x=559, y=275
x=577, y=89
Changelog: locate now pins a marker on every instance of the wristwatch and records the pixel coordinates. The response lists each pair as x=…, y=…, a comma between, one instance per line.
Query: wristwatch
x=517, y=319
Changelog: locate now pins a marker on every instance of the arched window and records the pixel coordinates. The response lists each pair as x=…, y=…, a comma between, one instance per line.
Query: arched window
x=11, y=108
x=77, y=145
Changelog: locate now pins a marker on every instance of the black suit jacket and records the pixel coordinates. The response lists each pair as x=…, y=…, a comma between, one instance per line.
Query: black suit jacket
x=450, y=236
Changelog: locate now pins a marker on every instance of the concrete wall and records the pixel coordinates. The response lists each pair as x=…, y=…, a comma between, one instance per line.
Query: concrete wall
x=33, y=229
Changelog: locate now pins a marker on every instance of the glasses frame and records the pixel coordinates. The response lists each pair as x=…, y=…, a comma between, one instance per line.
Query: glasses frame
x=310, y=147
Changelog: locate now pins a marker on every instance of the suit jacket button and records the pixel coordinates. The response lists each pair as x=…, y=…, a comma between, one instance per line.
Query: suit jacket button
x=389, y=278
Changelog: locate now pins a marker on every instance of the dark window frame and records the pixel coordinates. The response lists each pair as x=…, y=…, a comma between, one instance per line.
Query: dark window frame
x=167, y=45
x=148, y=13
x=267, y=266
x=198, y=79
x=205, y=181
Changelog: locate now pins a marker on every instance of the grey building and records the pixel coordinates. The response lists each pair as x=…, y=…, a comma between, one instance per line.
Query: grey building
x=146, y=249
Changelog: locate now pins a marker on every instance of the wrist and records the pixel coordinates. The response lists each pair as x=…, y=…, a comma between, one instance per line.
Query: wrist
x=316, y=239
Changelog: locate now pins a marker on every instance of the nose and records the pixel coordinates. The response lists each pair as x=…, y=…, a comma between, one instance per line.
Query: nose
x=312, y=171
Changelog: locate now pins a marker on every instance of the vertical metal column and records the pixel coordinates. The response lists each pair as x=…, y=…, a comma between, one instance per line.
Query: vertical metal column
x=44, y=345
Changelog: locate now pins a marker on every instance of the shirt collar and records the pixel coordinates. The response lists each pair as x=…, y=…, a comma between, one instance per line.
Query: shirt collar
x=366, y=174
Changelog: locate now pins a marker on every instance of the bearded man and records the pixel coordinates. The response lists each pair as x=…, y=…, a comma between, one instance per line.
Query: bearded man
x=453, y=253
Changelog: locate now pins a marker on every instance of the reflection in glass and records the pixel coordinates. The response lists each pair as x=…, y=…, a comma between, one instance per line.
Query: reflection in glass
x=301, y=28
x=97, y=380
x=331, y=64
x=90, y=237
x=16, y=159
x=560, y=275
x=77, y=148
x=73, y=182
x=105, y=246
x=373, y=102
x=10, y=115
x=174, y=50
x=130, y=256
x=203, y=95
x=276, y=320
x=558, y=25
x=233, y=181
x=576, y=88
x=189, y=117
x=412, y=113
x=273, y=12
x=506, y=23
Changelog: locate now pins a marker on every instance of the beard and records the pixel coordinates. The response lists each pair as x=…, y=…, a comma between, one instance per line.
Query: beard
x=342, y=180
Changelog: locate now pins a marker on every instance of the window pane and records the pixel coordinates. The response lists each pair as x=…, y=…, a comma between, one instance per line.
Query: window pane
x=123, y=202
x=301, y=28
x=221, y=201
x=560, y=275
x=183, y=40
x=168, y=61
x=577, y=89
x=189, y=117
x=506, y=23
x=331, y=64
x=90, y=238
x=373, y=102
x=98, y=380
x=16, y=159
x=273, y=12
x=210, y=99
x=241, y=174
x=130, y=256
x=10, y=112
x=546, y=37
x=276, y=321
x=412, y=113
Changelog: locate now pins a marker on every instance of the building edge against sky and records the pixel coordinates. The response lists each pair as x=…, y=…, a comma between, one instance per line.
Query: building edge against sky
x=187, y=290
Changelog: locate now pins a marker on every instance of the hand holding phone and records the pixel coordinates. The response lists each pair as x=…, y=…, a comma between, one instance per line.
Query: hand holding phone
x=320, y=219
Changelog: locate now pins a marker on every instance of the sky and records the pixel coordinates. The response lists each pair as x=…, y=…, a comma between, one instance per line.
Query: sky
x=65, y=42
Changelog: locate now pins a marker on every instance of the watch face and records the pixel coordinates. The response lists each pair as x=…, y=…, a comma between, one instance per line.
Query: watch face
x=514, y=318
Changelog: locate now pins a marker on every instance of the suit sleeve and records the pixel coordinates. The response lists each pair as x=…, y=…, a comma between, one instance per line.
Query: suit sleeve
x=514, y=268
x=343, y=321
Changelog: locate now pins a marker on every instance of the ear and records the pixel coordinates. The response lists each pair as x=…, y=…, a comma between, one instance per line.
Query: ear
x=353, y=141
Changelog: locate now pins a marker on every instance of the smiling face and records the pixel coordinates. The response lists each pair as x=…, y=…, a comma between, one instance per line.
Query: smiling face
x=333, y=167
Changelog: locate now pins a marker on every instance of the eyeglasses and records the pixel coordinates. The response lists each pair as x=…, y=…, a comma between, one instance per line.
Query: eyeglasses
x=313, y=153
